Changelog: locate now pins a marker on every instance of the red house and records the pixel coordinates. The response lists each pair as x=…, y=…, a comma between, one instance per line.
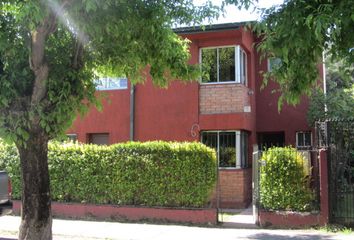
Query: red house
x=226, y=109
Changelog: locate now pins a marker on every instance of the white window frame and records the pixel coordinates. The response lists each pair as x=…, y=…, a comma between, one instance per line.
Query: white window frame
x=239, y=77
x=237, y=147
x=106, y=83
x=297, y=139
x=242, y=66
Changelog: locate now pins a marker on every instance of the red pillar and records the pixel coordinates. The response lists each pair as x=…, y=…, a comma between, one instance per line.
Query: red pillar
x=324, y=205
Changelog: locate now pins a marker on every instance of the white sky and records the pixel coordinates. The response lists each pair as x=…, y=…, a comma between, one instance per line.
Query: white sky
x=233, y=14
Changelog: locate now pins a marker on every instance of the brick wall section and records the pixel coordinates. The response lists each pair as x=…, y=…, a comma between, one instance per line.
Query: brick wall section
x=235, y=188
x=222, y=98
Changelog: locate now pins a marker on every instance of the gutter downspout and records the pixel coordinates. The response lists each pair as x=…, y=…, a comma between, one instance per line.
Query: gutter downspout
x=324, y=77
x=132, y=113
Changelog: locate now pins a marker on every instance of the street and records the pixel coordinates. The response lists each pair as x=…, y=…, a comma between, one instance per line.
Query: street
x=78, y=229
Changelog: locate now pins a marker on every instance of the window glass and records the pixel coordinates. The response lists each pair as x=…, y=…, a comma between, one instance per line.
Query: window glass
x=300, y=138
x=210, y=139
x=226, y=64
x=123, y=83
x=227, y=149
x=99, y=138
x=303, y=139
x=209, y=65
x=100, y=83
x=274, y=63
x=307, y=140
x=111, y=83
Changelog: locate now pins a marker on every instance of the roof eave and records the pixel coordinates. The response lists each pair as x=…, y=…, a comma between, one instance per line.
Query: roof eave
x=210, y=28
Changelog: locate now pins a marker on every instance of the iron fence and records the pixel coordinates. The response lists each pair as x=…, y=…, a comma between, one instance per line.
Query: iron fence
x=337, y=135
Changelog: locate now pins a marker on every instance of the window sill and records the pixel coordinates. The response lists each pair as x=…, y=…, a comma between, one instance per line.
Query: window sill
x=304, y=148
x=111, y=89
x=221, y=83
x=231, y=168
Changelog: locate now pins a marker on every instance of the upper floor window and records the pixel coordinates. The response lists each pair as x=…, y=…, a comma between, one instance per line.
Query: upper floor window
x=109, y=83
x=224, y=64
x=303, y=139
x=274, y=63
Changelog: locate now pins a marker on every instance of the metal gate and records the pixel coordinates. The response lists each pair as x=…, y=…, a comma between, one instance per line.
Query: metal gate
x=338, y=135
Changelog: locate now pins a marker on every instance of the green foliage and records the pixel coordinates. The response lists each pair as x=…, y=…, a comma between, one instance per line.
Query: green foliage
x=10, y=161
x=283, y=180
x=339, y=98
x=335, y=228
x=44, y=83
x=298, y=32
x=151, y=173
x=52, y=51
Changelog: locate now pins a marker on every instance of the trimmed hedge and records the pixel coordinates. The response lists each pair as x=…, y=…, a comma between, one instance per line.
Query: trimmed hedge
x=284, y=181
x=152, y=174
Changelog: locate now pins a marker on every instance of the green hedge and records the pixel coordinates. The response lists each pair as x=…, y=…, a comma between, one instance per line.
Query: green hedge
x=284, y=183
x=151, y=174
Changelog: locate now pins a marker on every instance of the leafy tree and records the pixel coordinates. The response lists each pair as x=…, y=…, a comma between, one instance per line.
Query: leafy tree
x=298, y=32
x=50, y=53
x=338, y=102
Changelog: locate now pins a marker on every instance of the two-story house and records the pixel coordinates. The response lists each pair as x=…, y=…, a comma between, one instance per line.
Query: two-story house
x=225, y=110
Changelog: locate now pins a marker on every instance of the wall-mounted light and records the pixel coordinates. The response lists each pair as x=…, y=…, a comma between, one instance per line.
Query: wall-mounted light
x=250, y=92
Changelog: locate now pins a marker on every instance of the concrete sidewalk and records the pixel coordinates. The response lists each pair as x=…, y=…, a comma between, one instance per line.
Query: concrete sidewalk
x=75, y=229
x=237, y=218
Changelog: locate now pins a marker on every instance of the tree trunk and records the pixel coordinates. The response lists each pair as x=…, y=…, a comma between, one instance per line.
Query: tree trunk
x=36, y=217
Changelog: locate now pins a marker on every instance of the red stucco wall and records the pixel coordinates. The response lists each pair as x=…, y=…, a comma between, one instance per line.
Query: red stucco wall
x=174, y=114
x=166, y=114
x=169, y=114
x=114, y=119
x=289, y=119
x=130, y=213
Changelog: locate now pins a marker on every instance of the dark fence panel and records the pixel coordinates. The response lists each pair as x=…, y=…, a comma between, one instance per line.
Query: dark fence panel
x=338, y=136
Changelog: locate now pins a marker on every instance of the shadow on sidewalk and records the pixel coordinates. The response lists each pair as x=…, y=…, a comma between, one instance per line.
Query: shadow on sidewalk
x=268, y=236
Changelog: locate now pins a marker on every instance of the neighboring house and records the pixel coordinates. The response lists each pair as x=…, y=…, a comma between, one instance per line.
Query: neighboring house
x=225, y=110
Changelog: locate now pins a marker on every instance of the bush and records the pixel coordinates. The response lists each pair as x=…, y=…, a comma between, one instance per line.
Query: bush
x=283, y=180
x=151, y=174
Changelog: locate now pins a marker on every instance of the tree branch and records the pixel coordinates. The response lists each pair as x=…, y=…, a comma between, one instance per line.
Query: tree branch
x=78, y=55
x=38, y=64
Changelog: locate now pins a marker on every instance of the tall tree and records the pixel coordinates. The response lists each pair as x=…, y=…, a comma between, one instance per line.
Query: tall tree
x=338, y=101
x=298, y=32
x=50, y=53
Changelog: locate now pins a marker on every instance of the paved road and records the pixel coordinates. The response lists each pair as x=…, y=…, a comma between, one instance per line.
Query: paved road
x=89, y=230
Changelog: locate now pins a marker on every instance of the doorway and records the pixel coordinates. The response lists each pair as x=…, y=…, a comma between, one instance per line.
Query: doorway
x=270, y=139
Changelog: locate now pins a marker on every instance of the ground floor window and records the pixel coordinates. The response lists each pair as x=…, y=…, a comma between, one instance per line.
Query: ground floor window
x=98, y=138
x=303, y=139
x=231, y=147
x=71, y=137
